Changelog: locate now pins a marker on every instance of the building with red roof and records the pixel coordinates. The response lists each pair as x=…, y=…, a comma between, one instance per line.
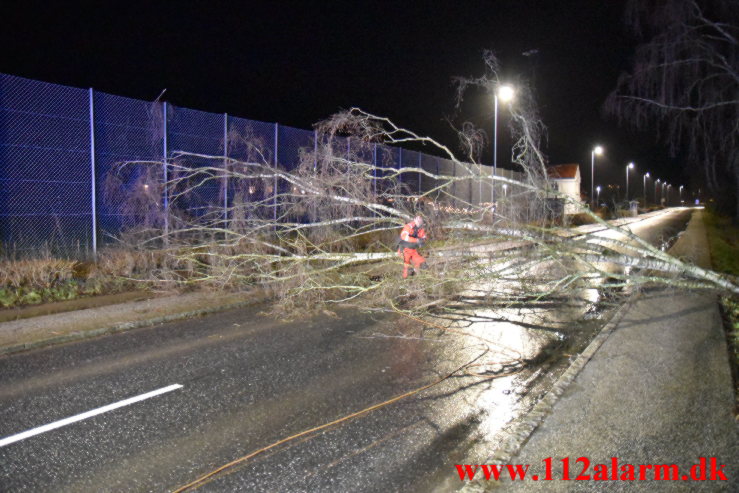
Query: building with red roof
x=566, y=179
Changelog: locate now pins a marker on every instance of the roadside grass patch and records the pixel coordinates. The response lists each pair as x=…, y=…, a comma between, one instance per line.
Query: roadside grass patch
x=723, y=241
x=730, y=309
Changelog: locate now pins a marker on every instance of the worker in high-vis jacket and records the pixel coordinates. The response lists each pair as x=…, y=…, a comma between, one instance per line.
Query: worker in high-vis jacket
x=412, y=237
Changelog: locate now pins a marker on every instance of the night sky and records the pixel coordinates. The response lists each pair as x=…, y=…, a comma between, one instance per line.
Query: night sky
x=297, y=62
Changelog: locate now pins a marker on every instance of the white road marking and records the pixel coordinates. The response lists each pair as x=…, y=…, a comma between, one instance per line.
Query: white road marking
x=89, y=414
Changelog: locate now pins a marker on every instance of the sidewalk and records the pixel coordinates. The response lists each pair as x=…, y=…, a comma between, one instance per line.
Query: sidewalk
x=658, y=391
x=46, y=330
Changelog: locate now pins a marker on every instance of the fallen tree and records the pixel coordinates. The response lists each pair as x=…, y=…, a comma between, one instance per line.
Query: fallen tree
x=324, y=232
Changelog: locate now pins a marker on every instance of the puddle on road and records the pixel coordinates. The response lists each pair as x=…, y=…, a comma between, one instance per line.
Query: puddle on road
x=525, y=350
x=521, y=352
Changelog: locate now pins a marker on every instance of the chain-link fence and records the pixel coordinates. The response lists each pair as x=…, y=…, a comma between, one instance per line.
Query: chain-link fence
x=59, y=146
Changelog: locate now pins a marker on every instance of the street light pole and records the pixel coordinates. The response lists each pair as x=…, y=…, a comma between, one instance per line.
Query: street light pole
x=596, y=150
x=495, y=152
x=662, y=195
x=597, y=189
x=505, y=93
x=628, y=167
x=680, y=197
x=646, y=175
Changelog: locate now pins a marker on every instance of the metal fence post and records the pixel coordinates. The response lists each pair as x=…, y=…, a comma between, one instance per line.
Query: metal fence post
x=437, y=195
x=454, y=184
x=400, y=164
x=419, y=173
x=225, y=170
x=165, y=195
x=93, y=186
x=479, y=177
x=374, y=164
x=274, y=189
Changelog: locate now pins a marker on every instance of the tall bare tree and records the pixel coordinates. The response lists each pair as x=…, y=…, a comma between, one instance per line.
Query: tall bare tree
x=685, y=83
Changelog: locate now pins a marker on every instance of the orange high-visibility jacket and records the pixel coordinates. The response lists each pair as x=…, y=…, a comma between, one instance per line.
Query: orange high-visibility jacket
x=411, y=234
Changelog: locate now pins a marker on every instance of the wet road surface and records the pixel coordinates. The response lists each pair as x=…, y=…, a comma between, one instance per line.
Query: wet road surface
x=248, y=380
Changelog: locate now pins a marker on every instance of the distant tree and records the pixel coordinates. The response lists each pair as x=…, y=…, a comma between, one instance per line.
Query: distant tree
x=685, y=82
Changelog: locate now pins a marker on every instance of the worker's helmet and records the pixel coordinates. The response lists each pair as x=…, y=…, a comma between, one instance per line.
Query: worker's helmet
x=418, y=220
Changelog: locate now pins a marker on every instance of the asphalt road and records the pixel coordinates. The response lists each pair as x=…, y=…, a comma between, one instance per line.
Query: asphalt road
x=248, y=380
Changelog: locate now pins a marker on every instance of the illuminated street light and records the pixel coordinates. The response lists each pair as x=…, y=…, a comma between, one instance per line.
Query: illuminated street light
x=505, y=93
x=656, y=184
x=680, y=191
x=597, y=189
x=646, y=175
x=662, y=194
x=628, y=167
x=596, y=150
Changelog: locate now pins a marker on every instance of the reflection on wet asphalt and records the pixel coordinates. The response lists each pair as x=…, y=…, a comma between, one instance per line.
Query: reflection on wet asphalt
x=249, y=381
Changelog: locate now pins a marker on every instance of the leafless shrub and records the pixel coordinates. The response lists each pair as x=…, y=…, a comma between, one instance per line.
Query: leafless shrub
x=35, y=273
x=135, y=193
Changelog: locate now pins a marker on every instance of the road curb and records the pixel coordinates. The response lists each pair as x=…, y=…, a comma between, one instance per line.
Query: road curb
x=519, y=432
x=124, y=326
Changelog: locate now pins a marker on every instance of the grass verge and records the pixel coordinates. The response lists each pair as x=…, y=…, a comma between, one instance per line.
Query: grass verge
x=28, y=282
x=723, y=241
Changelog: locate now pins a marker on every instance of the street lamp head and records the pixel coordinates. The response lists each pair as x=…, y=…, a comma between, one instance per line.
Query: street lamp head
x=506, y=93
x=597, y=189
x=598, y=150
x=631, y=165
x=658, y=180
x=647, y=174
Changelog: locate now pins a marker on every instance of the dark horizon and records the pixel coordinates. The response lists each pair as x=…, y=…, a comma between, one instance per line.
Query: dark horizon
x=297, y=63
